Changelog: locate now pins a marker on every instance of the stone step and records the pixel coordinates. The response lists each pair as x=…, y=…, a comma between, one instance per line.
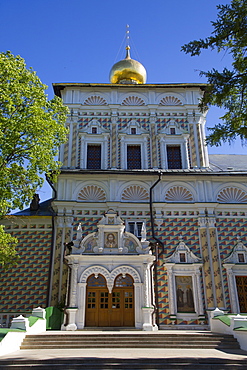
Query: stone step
x=126, y=364
x=57, y=341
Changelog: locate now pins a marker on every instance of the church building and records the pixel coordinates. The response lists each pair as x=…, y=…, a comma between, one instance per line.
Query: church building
x=145, y=230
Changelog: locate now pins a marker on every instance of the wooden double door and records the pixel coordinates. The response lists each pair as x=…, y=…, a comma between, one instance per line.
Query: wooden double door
x=241, y=282
x=114, y=309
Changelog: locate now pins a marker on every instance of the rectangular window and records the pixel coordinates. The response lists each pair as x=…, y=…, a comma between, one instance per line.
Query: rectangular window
x=182, y=257
x=135, y=227
x=94, y=156
x=174, y=157
x=241, y=258
x=134, y=157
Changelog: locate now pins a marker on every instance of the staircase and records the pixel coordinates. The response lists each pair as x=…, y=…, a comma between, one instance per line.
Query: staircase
x=57, y=351
x=130, y=340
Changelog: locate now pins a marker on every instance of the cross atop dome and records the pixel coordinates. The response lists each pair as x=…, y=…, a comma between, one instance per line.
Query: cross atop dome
x=128, y=71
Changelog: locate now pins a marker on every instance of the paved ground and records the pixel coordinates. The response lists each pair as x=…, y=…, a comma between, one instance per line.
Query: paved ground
x=124, y=353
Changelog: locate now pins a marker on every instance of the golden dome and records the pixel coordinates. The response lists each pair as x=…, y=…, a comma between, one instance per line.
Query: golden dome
x=128, y=71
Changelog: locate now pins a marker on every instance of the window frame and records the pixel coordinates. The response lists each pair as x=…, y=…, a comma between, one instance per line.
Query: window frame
x=138, y=139
x=94, y=139
x=98, y=145
x=135, y=222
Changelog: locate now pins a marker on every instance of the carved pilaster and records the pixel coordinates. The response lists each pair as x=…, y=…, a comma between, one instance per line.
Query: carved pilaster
x=73, y=288
x=198, y=283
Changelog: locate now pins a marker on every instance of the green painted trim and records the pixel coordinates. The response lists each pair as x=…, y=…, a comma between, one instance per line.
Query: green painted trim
x=4, y=331
x=32, y=320
x=223, y=318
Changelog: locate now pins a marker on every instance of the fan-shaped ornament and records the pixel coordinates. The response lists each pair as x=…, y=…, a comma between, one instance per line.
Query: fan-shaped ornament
x=135, y=193
x=232, y=195
x=133, y=100
x=178, y=194
x=92, y=193
x=95, y=100
x=170, y=100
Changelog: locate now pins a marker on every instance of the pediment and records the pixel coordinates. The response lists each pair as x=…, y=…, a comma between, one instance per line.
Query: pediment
x=92, y=125
x=238, y=254
x=133, y=123
x=182, y=254
x=110, y=238
x=172, y=124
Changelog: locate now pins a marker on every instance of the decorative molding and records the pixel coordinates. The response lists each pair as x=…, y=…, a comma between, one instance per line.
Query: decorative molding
x=170, y=100
x=238, y=254
x=133, y=100
x=110, y=276
x=190, y=257
x=232, y=195
x=178, y=194
x=135, y=193
x=92, y=193
x=95, y=100
x=94, y=270
x=124, y=270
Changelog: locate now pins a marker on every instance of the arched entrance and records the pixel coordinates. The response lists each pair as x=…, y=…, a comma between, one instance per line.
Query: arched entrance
x=110, y=309
x=241, y=282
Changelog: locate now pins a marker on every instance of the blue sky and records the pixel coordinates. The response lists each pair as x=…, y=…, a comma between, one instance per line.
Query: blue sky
x=79, y=40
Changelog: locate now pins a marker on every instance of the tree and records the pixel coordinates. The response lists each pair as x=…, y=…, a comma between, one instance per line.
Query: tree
x=227, y=89
x=31, y=130
x=8, y=254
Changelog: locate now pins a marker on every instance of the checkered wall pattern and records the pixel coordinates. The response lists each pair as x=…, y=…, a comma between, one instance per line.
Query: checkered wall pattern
x=228, y=231
x=25, y=286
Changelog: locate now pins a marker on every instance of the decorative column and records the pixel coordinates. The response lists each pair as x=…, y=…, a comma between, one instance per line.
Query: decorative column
x=212, y=266
x=138, y=304
x=123, y=156
x=206, y=254
x=81, y=302
x=216, y=265
x=193, y=137
x=186, y=163
x=144, y=155
x=83, y=153
x=71, y=133
x=171, y=289
x=114, y=143
x=198, y=285
x=232, y=287
x=72, y=309
x=73, y=285
x=105, y=154
x=148, y=308
x=154, y=157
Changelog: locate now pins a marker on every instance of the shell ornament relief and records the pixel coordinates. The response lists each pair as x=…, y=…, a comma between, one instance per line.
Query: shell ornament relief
x=92, y=193
x=178, y=194
x=170, y=100
x=135, y=193
x=232, y=195
x=95, y=100
x=133, y=100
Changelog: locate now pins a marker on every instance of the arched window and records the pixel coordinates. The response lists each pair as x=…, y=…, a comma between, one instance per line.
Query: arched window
x=123, y=281
x=94, y=281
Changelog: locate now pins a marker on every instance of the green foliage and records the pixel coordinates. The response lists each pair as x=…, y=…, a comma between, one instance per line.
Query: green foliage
x=31, y=130
x=8, y=255
x=227, y=89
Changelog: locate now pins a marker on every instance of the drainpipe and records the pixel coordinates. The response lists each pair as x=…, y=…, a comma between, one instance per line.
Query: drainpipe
x=158, y=243
x=48, y=299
